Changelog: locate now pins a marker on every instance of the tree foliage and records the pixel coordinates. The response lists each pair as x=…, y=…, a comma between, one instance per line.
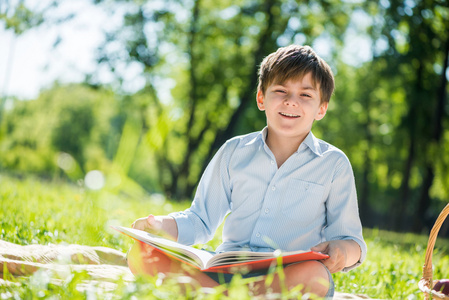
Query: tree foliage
x=211, y=52
x=72, y=120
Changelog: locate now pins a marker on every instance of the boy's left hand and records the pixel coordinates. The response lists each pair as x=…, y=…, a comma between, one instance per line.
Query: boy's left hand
x=342, y=253
x=337, y=255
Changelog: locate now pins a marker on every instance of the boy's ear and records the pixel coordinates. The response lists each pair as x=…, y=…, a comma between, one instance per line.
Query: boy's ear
x=260, y=100
x=322, y=111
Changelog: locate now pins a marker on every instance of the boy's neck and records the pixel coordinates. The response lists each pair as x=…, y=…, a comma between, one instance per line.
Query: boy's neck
x=283, y=147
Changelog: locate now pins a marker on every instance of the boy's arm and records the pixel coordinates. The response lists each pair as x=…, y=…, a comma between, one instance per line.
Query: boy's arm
x=212, y=201
x=342, y=254
x=161, y=225
x=209, y=207
x=343, y=228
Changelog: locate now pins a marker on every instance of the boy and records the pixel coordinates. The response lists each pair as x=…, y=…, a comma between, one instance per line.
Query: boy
x=280, y=188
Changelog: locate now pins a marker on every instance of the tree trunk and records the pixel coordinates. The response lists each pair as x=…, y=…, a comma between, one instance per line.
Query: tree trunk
x=364, y=194
x=410, y=122
x=180, y=181
x=424, y=199
x=405, y=188
x=248, y=94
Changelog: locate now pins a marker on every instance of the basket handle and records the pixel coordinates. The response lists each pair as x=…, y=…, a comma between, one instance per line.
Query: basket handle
x=427, y=268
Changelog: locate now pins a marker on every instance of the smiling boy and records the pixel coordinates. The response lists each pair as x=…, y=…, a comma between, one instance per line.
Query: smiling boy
x=291, y=108
x=280, y=188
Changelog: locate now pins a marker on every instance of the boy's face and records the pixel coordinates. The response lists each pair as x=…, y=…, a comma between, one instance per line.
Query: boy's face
x=292, y=107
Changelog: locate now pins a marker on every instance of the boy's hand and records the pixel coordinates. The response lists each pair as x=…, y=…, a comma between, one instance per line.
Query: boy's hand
x=337, y=255
x=149, y=224
x=342, y=253
x=161, y=225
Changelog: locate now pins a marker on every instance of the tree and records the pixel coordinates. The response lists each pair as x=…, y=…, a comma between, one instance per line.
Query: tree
x=418, y=37
x=74, y=120
x=19, y=17
x=211, y=52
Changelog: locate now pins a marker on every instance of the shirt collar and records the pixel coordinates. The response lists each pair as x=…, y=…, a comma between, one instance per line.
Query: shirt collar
x=263, y=134
x=310, y=141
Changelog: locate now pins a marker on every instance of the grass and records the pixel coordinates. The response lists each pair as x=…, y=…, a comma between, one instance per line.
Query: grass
x=37, y=212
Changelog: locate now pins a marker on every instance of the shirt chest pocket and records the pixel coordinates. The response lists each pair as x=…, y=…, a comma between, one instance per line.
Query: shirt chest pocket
x=303, y=200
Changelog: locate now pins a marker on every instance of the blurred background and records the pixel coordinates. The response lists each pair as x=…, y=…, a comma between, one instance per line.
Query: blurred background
x=136, y=96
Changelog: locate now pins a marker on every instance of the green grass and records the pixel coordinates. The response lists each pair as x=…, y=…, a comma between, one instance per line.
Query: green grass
x=37, y=212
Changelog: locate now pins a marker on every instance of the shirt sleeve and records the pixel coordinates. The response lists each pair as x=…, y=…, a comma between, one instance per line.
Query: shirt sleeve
x=211, y=203
x=343, y=221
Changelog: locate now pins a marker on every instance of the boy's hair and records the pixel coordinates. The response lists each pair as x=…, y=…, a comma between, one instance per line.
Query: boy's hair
x=294, y=62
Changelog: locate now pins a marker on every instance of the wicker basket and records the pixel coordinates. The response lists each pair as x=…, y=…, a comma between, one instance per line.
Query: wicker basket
x=426, y=283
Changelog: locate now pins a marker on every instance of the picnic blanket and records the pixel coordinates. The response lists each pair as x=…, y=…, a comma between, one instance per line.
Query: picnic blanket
x=104, y=265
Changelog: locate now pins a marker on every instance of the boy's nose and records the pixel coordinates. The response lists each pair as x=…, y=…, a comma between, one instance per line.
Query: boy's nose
x=291, y=100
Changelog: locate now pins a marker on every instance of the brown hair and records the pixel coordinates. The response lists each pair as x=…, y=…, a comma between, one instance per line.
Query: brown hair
x=294, y=62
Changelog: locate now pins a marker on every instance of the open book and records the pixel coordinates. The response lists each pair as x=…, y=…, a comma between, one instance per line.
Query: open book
x=225, y=262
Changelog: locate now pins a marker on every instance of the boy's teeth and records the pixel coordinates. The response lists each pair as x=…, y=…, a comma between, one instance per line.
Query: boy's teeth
x=288, y=115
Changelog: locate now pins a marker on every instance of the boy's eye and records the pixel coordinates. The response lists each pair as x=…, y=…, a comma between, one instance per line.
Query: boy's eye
x=306, y=95
x=280, y=91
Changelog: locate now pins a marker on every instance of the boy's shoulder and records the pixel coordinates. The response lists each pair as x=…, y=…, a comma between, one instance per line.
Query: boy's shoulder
x=325, y=149
x=245, y=143
x=322, y=147
x=245, y=139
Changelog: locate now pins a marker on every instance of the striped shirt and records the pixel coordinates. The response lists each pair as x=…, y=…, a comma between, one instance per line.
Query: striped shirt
x=309, y=199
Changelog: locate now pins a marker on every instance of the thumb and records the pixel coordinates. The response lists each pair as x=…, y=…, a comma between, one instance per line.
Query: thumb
x=322, y=247
x=153, y=223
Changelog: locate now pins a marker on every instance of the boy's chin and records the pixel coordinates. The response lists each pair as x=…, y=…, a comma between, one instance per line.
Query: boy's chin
x=290, y=132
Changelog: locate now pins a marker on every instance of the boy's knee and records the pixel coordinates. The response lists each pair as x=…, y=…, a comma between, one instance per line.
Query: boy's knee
x=311, y=274
x=134, y=258
x=141, y=259
x=145, y=260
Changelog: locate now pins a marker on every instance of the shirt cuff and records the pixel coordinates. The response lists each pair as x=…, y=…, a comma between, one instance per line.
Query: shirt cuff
x=363, y=249
x=186, y=232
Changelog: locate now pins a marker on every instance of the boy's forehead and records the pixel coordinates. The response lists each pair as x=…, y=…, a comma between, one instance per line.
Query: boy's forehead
x=284, y=79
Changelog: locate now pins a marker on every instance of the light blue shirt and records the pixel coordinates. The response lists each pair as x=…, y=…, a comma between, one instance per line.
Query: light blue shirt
x=310, y=199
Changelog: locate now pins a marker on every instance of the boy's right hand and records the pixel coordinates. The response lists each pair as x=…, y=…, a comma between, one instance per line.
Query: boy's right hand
x=149, y=224
x=161, y=225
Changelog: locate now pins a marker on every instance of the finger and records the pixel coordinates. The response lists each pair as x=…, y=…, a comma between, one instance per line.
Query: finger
x=330, y=265
x=336, y=268
x=326, y=264
x=139, y=224
x=322, y=247
x=329, y=262
x=335, y=263
x=154, y=224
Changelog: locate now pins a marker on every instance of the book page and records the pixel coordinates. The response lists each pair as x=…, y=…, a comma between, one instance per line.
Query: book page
x=238, y=257
x=236, y=261
x=197, y=257
x=243, y=257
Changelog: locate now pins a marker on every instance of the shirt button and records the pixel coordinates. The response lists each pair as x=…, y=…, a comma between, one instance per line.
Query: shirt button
x=272, y=162
x=267, y=210
x=258, y=235
x=273, y=188
x=307, y=186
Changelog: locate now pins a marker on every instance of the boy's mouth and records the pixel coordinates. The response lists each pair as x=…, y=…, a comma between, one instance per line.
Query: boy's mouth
x=289, y=115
